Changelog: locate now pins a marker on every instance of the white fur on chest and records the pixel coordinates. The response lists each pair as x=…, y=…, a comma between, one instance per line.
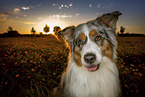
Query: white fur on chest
x=104, y=82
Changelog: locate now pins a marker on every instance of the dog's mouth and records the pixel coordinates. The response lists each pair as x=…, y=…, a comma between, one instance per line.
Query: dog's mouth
x=93, y=68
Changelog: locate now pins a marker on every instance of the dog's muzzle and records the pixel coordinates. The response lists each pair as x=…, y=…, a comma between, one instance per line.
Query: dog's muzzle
x=90, y=59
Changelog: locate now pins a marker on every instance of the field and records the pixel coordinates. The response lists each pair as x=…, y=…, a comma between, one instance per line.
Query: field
x=31, y=66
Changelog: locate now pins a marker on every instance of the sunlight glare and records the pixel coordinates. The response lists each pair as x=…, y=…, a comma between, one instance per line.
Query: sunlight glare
x=51, y=23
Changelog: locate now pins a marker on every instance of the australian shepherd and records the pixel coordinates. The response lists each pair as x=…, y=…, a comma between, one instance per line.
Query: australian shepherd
x=91, y=71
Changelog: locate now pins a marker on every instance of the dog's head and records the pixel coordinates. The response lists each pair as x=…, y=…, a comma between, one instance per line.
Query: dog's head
x=93, y=40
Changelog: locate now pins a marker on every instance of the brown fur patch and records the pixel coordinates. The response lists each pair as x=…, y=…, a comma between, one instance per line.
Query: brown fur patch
x=106, y=49
x=77, y=56
x=82, y=36
x=77, y=50
x=105, y=45
x=93, y=33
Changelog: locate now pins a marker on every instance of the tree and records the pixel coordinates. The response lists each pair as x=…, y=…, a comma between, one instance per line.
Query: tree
x=33, y=31
x=56, y=29
x=10, y=28
x=46, y=29
x=41, y=33
x=122, y=29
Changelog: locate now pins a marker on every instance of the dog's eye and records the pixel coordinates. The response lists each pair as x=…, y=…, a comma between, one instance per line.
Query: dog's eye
x=79, y=42
x=98, y=38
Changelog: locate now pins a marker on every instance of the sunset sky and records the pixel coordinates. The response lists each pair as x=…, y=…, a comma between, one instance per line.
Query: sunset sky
x=22, y=15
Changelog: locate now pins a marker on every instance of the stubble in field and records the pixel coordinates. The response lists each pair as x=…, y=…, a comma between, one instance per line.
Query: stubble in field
x=33, y=65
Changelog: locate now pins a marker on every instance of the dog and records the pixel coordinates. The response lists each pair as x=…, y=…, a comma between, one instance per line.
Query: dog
x=91, y=70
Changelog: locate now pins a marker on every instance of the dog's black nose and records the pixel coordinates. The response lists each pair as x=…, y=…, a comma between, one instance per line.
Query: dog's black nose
x=90, y=58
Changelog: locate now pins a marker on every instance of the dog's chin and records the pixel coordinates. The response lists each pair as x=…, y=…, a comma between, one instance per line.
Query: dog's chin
x=93, y=68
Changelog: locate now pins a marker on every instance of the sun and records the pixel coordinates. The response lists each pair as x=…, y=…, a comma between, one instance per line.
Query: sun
x=51, y=23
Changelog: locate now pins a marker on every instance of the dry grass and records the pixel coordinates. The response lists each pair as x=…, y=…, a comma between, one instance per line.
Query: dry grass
x=30, y=66
x=131, y=64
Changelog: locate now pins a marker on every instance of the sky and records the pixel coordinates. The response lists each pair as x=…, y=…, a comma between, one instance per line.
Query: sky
x=22, y=15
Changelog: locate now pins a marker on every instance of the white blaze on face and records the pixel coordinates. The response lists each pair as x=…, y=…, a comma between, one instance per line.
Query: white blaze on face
x=90, y=47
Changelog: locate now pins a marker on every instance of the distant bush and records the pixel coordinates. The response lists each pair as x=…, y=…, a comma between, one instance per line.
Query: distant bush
x=11, y=34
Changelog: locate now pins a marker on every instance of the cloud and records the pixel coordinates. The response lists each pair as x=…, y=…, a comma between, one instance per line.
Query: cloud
x=77, y=14
x=70, y=4
x=98, y=5
x=3, y=15
x=8, y=13
x=111, y=4
x=61, y=16
x=30, y=7
x=28, y=22
x=64, y=15
x=2, y=19
x=25, y=8
x=99, y=13
x=60, y=6
x=35, y=6
x=16, y=10
x=17, y=17
x=39, y=18
x=90, y=5
x=66, y=6
x=54, y=4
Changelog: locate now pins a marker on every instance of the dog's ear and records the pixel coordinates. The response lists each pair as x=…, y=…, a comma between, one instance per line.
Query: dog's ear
x=67, y=33
x=110, y=19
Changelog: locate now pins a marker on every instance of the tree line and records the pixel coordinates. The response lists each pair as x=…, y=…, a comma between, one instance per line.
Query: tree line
x=14, y=33
x=56, y=29
x=46, y=29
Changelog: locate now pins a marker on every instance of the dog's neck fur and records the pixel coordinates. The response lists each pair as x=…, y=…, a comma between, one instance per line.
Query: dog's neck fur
x=91, y=84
